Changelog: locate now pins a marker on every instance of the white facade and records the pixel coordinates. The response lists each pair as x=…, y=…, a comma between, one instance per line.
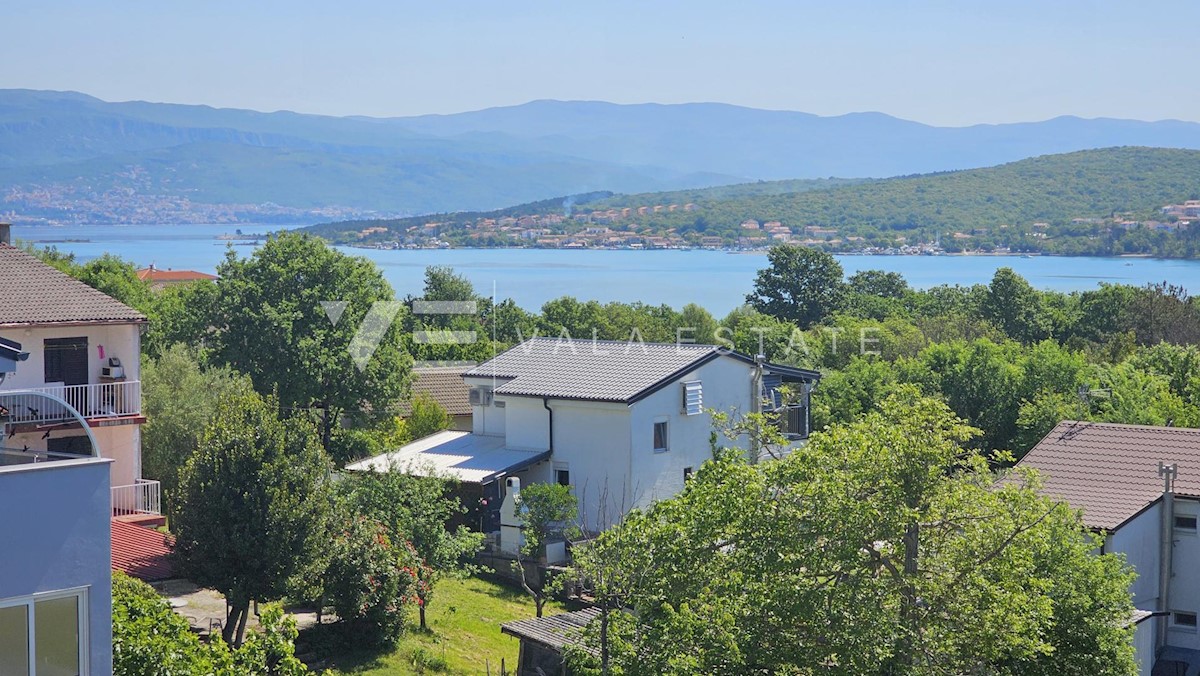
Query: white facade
x=1139, y=540
x=606, y=450
x=112, y=406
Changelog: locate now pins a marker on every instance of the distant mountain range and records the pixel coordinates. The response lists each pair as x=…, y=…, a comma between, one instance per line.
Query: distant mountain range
x=66, y=156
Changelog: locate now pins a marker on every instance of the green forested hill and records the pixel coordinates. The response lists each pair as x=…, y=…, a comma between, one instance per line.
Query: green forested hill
x=1076, y=194
x=1051, y=188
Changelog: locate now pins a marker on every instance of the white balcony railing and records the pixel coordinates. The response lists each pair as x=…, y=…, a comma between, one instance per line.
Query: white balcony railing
x=143, y=497
x=97, y=400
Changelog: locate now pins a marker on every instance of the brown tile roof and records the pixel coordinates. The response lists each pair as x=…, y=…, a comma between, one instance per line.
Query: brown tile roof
x=445, y=385
x=1110, y=471
x=155, y=275
x=32, y=292
x=141, y=552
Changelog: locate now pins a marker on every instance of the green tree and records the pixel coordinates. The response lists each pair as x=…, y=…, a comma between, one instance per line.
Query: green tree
x=252, y=506
x=117, y=278
x=1015, y=307
x=181, y=313
x=369, y=581
x=426, y=417
x=546, y=511
x=881, y=547
x=697, y=325
x=802, y=285
x=272, y=323
x=418, y=511
x=878, y=283
x=179, y=398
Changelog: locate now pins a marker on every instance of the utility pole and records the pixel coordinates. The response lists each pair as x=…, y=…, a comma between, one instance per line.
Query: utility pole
x=756, y=406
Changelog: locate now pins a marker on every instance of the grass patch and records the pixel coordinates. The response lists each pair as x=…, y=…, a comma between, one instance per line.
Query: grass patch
x=464, y=634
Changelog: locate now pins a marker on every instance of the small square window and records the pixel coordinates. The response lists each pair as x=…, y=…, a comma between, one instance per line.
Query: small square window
x=1185, y=523
x=1183, y=620
x=562, y=477
x=687, y=473
x=660, y=436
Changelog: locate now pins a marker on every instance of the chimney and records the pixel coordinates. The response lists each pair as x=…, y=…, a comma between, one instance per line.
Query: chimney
x=5, y=233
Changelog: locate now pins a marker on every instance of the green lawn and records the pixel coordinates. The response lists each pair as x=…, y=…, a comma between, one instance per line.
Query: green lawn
x=464, y=621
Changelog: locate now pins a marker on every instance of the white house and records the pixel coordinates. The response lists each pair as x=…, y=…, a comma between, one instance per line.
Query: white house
x=623, y=424
x=84, y=347
x=1140, y=487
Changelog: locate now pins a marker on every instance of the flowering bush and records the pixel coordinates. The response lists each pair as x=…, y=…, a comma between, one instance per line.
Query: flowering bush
x=369, y=582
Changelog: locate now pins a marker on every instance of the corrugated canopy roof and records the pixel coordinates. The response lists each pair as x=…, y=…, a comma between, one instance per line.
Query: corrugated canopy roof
x=1110, y=471
x=555, y=631
x=141, y=552
x=470, y=458
x=32, y=292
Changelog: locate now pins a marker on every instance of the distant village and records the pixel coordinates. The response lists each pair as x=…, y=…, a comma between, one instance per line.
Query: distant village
x=616, y=228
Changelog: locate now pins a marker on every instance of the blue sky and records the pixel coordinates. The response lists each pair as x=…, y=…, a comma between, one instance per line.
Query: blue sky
x=944, y=63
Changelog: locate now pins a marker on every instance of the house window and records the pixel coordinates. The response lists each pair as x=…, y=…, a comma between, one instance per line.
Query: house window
x=1185, y=523
x=562, y=477
x=793, y=421
x=693, y=398
x=687, y=473
x=1183, y=620
x=660, y=436
x=45, y=631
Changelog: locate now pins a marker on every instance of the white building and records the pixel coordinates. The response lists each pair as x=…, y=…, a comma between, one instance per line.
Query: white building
x=623, y=424
x=84, y=347
x=1111, y=474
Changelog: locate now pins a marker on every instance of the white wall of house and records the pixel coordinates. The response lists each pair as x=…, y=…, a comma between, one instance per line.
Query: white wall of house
x=726, y=386
x=119, y=340
x=490, y=419
x=1138, y=541
x=525, y=425
x=591, y=441
x=1144, y=646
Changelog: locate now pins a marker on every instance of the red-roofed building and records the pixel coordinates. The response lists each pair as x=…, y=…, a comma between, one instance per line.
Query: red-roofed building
x=160, y=279
x=140, y=552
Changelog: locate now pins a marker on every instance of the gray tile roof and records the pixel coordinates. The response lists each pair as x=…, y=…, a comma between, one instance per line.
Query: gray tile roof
x=1110, y=471
x=445, y=385
x=555, y=631
x=32, y=292
x=616, y=371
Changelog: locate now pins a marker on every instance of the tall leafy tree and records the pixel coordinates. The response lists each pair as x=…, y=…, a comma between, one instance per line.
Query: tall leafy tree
x=274, y=321
x=179, y=398
x=419, y=511
x=882, y=547
x=1015, y=307
x=252, y=507
x=801, y=285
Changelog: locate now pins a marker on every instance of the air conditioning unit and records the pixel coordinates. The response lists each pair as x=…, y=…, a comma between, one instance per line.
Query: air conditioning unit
x=113, y=370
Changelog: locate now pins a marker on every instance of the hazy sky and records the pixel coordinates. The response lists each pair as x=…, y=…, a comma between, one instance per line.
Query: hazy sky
x=948, y=63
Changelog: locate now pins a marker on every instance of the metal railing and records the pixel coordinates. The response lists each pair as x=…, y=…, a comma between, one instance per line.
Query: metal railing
x=97, y=400
x=143, y=497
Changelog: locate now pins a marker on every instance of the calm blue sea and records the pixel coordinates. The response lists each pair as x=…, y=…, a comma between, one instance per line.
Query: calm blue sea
x=714, y=279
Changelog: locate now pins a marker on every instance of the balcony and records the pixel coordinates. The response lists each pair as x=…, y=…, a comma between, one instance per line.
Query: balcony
x=101, y=403
x=141, y=499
